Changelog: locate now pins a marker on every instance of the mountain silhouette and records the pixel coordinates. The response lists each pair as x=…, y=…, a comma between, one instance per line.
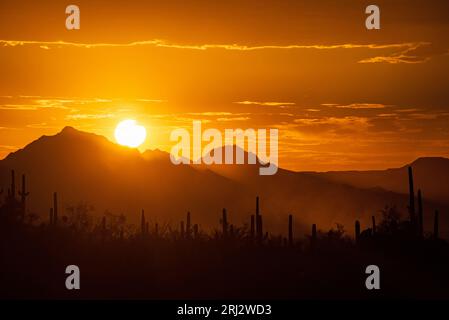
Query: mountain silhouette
x=84, y=167
x=431, y=176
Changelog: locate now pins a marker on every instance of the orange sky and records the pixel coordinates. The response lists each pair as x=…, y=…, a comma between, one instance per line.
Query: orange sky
x=341, y=96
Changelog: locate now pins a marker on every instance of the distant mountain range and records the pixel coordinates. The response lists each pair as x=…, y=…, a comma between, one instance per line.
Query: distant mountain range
x=431, y=174
x=84, y=167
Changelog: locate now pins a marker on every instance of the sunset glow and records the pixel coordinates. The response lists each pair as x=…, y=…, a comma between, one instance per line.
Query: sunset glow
x=342, y=97
x=128, y=133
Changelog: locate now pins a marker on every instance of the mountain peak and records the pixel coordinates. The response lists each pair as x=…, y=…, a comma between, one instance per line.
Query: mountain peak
x=69, y=132
x=68, y=129
x=430, y=160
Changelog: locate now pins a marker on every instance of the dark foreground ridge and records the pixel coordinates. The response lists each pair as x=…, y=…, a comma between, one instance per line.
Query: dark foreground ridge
x=153, y=261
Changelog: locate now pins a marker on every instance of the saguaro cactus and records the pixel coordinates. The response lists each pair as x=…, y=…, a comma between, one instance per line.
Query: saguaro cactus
x=55, y=208
x=224, y=222
x=195, y=231
x=259, y=222
x=436, y=225
x=257, y=205
x=373, y=219
x=23, y=194
x=420, y=215
x=290, y=230
x=260, y=227
x=357, y=230
x=257, y=215
x=188, y=228
x=411, y=206
x=313, y=238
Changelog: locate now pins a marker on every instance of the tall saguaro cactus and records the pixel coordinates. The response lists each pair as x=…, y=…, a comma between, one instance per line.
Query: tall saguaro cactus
x=55, y=208
x=195, y=231
x=188, y=225
x=420, y=215
x=23, y=195
x=313, y=238
x=373, y=220
x=411, y=206
x=224, y=222
x=357, y=231
x=259, y=223
x=290, y=230
x=257, y=215
x=260, y=228
x=257, y=205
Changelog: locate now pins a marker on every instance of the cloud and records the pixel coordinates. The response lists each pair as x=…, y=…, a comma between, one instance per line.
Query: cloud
x=88, y=116
x=387, y=115
x=18, y=107
x=8, y=147
x=208, y=113
x=424, y=116
x=267, y=103
x=72, y=104
x=234, y=119
x=407, y=51
x=43, y=125
x=407, y=110
x=411, y=54
x=357, y=106
x=233, y=47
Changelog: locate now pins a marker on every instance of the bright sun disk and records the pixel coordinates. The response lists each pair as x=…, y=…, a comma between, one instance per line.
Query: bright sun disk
x=129, y=133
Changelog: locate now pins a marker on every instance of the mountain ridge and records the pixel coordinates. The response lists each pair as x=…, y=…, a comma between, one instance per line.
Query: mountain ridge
x=86, y=167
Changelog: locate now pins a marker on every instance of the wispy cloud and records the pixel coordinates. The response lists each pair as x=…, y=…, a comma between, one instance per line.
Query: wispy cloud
x=267, y=103
x=409, y=54
x=233, y=119
x=236, y=47
x=72, y=104
x=42, y=125
x=8, y=147
x=406, y=51
x=81, y=116
x=341, y=121
x=18, y=107
x=407, y=110
x=357, y=106
x=209, y=113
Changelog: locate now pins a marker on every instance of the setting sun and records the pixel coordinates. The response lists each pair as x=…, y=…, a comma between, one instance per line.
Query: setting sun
x=129, y=133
